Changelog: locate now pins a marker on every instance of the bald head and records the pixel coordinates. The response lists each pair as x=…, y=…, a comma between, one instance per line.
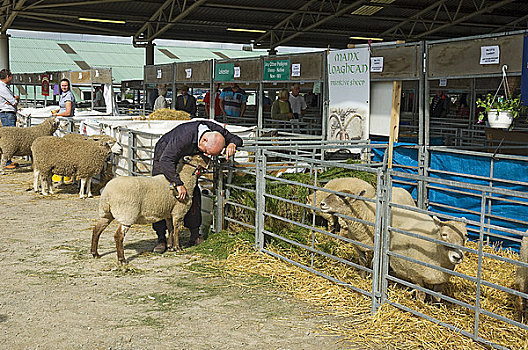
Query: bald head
x=212, y=143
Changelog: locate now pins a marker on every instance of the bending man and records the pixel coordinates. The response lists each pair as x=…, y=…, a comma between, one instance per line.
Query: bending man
x=206, y=137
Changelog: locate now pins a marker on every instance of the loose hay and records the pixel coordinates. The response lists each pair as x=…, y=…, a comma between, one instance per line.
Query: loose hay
x=391, y=326
x=169, y=114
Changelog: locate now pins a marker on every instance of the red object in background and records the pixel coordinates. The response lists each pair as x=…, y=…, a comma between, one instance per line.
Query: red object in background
x=45, y=85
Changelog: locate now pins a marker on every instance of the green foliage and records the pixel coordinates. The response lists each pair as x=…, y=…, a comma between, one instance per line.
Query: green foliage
x=220, y=245
x=500, y=103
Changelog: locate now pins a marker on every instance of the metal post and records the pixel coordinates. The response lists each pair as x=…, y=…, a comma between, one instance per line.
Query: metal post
x=130, y=153
x=4, y=51
x=260, y=201
x=386, y=184
x=425, y=128
x=421, y=188
x=149, y=53
x=325, y=101
x=260, y=108
x=219, y=184
x=212, y=93
x=479, y=264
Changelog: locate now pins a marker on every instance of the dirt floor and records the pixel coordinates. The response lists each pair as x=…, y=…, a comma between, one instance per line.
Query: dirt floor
x=54, y=295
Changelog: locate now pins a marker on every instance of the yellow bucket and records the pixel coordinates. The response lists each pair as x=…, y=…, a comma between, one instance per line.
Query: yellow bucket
x=57, y=178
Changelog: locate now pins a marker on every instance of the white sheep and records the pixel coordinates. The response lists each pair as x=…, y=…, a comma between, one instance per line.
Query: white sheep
x=433, y=253
x=364, y=210
x=339, y=184
x=70, y=156
x=15, y=141
x=521, y=278
x=145, y=200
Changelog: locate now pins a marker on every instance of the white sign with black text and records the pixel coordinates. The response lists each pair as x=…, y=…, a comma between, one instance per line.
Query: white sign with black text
x=376, y=64
x=489, y=54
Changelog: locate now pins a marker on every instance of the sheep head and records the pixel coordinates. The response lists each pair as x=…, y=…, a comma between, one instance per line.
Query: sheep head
x=54, y=124
x=454, y=232
x=333, y=202
x=197, y=161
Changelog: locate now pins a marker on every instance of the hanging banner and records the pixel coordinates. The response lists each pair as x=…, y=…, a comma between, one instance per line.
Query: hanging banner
x=349, y=89
x=45, y=85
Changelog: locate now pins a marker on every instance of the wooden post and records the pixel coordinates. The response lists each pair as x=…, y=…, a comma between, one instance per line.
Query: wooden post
x=395, y=118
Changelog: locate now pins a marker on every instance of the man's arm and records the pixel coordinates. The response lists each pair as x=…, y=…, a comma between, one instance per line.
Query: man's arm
x=171, y=155
x=221, y=100
x=229, y=137
x=193, y=101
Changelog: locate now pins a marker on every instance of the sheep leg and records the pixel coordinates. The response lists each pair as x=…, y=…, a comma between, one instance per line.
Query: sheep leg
x=174, y=239
x=3, y=161
x=45, y=180
x=98, y=229
x=362, y=261
x=81, y=191
x=36, y=177
x=89, y=187
x=119, y=236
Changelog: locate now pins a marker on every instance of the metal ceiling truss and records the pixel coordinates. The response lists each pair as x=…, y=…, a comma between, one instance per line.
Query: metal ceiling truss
x=303, y=21
x=432, y=19
x=167, y=15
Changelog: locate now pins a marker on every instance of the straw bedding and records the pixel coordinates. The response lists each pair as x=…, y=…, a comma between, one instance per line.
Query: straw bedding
x=390, y=326
x=169, y=114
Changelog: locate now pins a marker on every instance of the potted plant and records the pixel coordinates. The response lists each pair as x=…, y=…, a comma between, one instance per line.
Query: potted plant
x=500, y=111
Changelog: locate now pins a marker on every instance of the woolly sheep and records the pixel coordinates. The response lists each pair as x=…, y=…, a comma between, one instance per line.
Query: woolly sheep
x=453, y=232
x=70, y=156
x=16, y=141
x=364, y=210
x=436, y=254
x=521, y=278
x=339, y=184
x=144, y=200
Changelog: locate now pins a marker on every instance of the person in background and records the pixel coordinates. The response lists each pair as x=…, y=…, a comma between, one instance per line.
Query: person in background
x=439, y=105
x=207, y=101
x=233, y=101
x=66, y=102
x=8, y=106
x=194, y=137
x=281, y=108
x=99, y=98
x=186, y=102
x=160, y=102
x=297, y=102
x=311, y=99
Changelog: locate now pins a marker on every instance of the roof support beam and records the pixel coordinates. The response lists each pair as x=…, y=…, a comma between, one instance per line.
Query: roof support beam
x=464, y=18
x=12, y=15
x=71, y=24
x=37, y=6
x=412, y=18
x=166, y=11
x=511, y=24
x=338, y=12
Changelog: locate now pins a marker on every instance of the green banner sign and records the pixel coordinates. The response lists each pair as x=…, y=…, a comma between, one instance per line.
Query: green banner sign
x=277, y=70
x=224, y=71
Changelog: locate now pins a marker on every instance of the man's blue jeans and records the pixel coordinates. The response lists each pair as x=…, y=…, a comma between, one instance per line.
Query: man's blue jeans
x=8, y=119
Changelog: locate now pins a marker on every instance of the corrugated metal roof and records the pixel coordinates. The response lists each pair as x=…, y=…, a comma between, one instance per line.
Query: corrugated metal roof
x=30, y=55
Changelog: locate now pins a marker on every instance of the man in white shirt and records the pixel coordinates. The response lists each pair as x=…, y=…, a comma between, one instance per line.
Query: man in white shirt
x=8, y=105
x=297, y=102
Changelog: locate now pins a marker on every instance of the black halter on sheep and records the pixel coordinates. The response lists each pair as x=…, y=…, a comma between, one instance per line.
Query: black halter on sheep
x=145, y=200
x=16, y=141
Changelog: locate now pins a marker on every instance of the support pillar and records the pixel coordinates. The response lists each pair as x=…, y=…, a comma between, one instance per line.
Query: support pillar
x=4, y=51
x=149, y=53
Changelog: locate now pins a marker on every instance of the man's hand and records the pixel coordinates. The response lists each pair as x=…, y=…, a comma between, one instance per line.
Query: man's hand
x=182, y=192
x=230, y=150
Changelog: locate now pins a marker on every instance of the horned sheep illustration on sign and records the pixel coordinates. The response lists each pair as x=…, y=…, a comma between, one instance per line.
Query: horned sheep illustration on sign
x=345, y=124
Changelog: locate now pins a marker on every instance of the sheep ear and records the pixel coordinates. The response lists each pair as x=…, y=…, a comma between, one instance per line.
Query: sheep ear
x=436, y=220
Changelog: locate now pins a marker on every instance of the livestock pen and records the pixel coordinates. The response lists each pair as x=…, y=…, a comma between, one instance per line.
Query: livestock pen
x=265, y=193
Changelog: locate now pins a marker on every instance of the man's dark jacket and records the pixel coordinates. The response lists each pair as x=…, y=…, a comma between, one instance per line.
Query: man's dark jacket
x=189, y=106
x=180, y=142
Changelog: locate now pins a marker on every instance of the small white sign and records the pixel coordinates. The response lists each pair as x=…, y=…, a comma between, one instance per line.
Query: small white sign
x=96, y=73
x=80, y=75
x=443, y=82
x=159, y=74
x=296, y=70
x=489, y=54
x=316, y=87
x=188, y=73
x=237, y=72
x=376, y=64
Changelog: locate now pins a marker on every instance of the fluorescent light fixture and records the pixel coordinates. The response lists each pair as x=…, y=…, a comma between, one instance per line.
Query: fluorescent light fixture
x=367, y=10
x=101, y=20
x=365, y=38
x=246, y=30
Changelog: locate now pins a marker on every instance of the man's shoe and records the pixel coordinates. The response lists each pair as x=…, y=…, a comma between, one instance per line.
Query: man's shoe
x=11, y=166
x=160, y=248
x=197, y=241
